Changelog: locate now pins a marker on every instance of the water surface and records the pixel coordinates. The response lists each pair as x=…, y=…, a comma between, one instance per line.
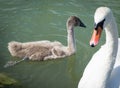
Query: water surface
x=34, y=20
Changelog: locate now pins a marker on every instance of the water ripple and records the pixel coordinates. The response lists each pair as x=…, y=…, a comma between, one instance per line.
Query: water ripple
x=54, y=12
x=74, y=4
x=9, y=9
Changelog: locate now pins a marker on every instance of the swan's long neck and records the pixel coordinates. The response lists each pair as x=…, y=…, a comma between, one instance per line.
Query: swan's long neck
x=112, y=46
x=71, y=39
x=112, y=36
x=98, y=70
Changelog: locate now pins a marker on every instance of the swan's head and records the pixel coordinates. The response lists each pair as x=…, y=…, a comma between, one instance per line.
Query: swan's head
x=101, y=20
x=75, y=21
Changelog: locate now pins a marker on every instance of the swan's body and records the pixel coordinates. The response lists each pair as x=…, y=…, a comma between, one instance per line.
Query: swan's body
x=103, y=70
x=43, y=50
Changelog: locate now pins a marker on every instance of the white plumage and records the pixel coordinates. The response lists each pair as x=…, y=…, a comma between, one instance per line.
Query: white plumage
x=103, y=70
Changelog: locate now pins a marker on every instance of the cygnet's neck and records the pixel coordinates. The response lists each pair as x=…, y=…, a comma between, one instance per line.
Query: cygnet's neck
x=71, y=39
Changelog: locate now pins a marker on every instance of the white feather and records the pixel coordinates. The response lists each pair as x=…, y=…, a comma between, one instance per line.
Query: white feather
x=103, y=70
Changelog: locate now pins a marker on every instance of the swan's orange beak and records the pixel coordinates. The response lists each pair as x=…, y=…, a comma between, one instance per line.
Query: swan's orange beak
x=95, y=36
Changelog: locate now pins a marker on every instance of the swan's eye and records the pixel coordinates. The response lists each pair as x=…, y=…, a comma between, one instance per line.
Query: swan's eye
x=100, y=24
x=95, y=25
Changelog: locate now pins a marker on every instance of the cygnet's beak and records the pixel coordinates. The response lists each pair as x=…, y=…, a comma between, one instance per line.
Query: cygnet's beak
x=82, y=24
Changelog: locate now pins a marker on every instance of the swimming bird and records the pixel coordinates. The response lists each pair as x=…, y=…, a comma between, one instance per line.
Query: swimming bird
x=103, y=70
x=43, y=50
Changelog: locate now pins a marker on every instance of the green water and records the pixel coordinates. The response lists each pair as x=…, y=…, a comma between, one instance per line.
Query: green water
x=34, y=20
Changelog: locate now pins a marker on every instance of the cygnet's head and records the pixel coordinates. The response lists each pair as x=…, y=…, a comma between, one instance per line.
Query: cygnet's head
x=75, y=21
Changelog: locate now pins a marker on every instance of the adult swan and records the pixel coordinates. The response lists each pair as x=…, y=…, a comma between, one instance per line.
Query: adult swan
x=103, y=70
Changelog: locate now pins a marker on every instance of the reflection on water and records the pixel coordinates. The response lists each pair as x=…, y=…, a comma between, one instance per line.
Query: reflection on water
x=29, y=20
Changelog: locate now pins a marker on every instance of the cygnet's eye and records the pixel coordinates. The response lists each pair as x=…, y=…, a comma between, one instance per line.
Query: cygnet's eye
x=77, y=22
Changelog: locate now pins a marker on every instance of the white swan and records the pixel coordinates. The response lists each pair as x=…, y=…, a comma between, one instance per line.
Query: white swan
x=103, y=70
x=43, y=50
